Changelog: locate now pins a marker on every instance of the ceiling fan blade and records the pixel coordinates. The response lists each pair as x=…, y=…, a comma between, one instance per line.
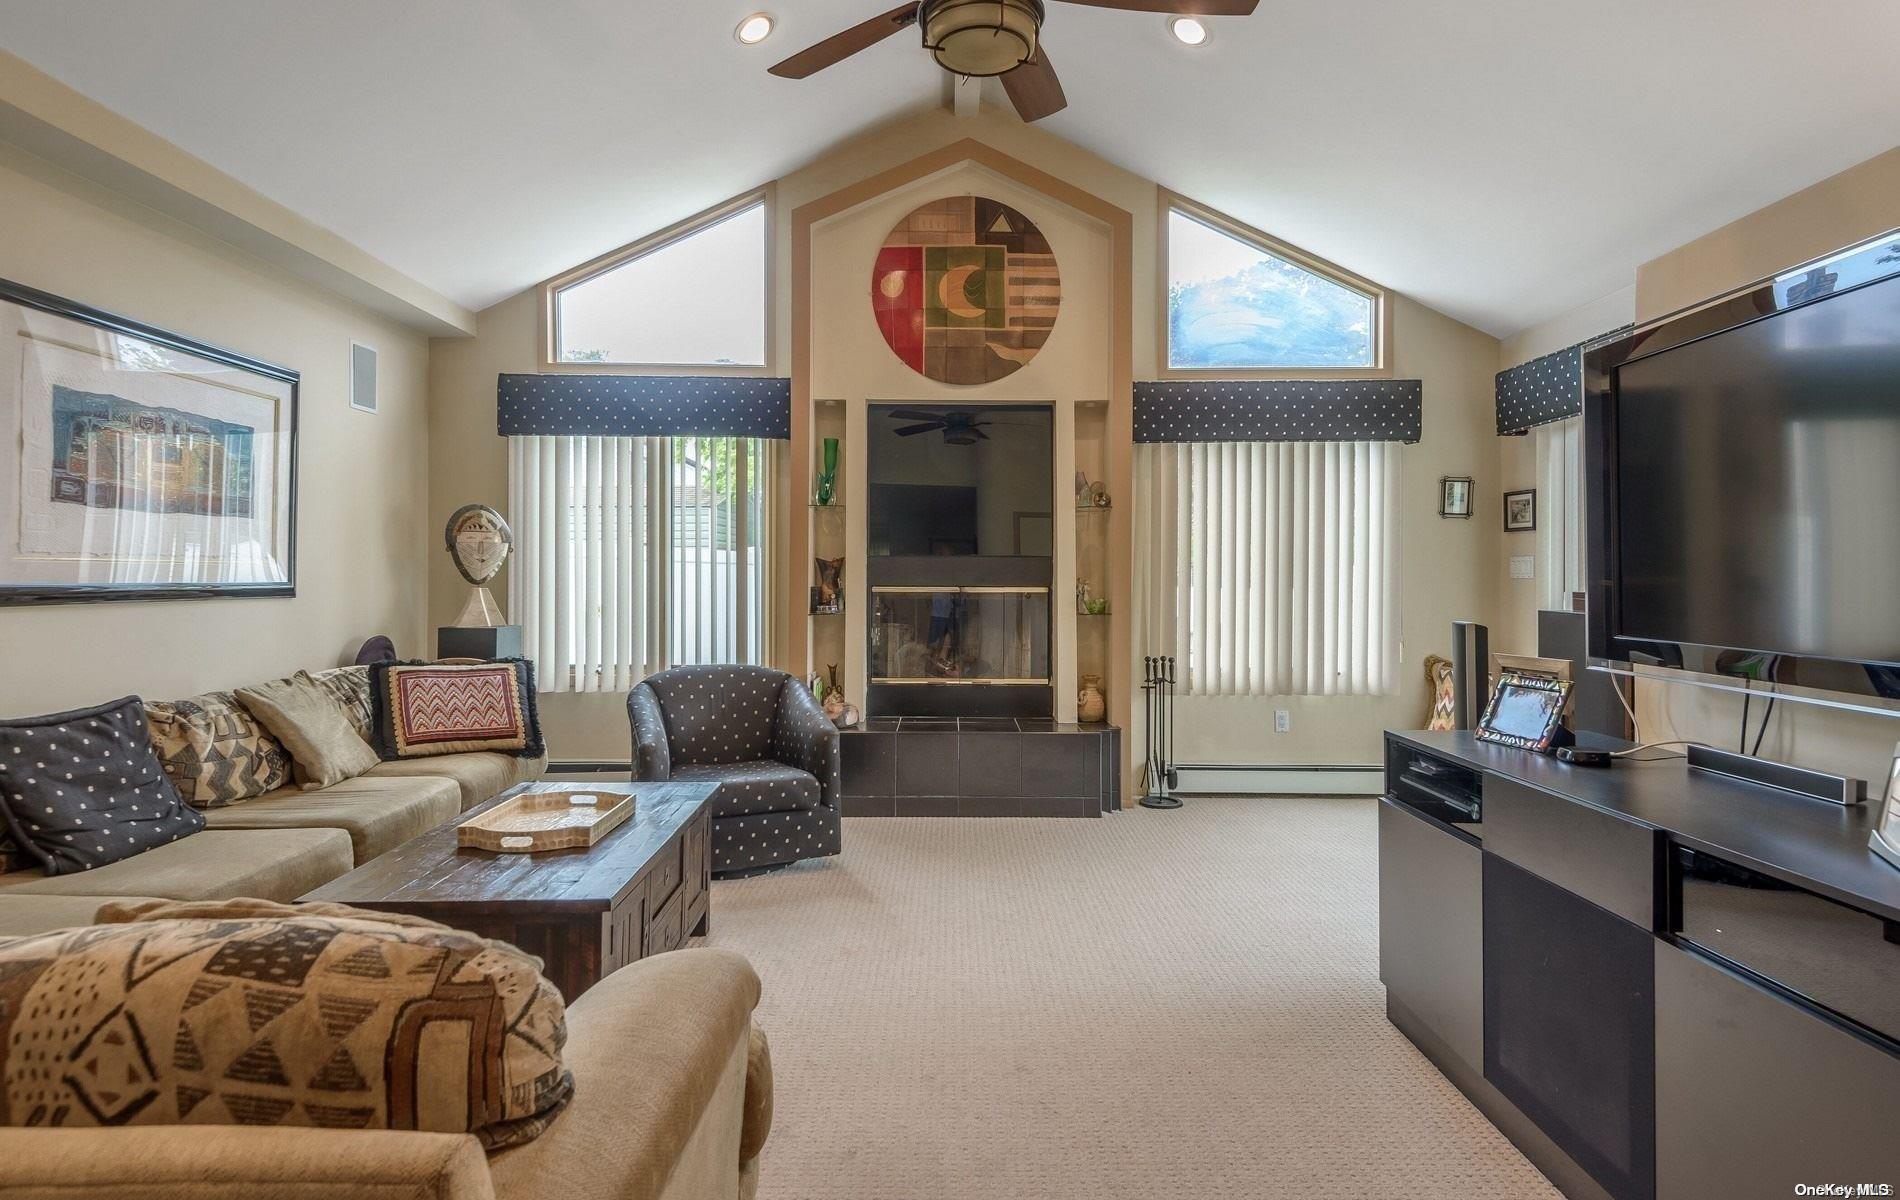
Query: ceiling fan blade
x=840, y=46
x=980, y=433
x=1184, y=8
x=912, y=430
x=1034, y=89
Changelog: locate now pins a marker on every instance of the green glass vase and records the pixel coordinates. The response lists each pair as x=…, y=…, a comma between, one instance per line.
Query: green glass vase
x=828, y=478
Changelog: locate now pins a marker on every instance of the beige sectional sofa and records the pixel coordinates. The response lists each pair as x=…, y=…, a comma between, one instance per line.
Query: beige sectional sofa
x=672, y=1093
x=277, y=846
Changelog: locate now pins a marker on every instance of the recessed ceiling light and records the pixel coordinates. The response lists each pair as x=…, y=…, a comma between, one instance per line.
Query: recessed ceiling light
x=1188, y=30
x=754, y=29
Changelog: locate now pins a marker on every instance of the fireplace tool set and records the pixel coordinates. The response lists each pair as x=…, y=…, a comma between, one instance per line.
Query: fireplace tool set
x=1157, y=688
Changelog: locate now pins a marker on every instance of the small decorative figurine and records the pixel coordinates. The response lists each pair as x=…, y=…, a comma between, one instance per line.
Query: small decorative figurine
x=834, y=694
x=830, y=589
x=478, y=541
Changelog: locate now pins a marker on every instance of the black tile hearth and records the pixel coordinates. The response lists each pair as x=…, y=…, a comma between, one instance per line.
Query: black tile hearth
x=980, y=767
x=989, y=764
x=926, y=762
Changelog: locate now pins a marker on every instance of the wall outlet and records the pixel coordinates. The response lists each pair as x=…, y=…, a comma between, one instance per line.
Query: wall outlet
x=1282, y=721
x=1523, y=566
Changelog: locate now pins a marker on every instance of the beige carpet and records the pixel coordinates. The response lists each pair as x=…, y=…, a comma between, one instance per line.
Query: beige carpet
x=1151, y=1006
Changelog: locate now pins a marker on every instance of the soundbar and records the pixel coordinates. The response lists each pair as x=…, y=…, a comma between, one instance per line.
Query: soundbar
x=1837, y=789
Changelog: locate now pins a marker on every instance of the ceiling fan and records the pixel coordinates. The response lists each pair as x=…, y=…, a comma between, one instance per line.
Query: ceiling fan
x=959, y=428
x=982, y=38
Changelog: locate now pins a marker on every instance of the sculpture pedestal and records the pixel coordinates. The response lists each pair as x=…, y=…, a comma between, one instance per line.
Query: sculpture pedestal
x=478, y=641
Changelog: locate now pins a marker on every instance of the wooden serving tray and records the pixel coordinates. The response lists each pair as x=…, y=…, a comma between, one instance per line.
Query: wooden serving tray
x=548, y=818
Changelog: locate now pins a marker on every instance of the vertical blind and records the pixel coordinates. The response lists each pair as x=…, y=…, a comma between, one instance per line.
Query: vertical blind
x=1559, y=448
x=635, y=554
x=1272, y=566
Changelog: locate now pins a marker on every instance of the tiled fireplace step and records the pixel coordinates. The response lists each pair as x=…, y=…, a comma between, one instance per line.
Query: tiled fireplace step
x=979, y=767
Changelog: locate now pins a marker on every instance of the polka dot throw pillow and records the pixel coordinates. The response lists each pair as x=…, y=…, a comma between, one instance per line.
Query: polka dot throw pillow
x=82, y=789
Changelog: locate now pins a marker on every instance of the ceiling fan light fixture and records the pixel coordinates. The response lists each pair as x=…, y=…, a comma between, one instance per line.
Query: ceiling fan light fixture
x=1189, y=31
x=981, y=38
x=754, y=29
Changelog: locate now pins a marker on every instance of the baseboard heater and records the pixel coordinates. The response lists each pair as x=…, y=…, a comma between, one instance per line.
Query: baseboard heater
x=1280, y=779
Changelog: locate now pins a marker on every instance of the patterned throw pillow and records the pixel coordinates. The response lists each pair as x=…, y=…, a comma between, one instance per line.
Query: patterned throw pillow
x=424, y=709
x=82, y=789
x=349, y=687
x=244, y=1012
x=1444, y=695
x=214, y=751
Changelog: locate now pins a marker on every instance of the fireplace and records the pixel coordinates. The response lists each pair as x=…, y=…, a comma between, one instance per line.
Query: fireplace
x=959, y=560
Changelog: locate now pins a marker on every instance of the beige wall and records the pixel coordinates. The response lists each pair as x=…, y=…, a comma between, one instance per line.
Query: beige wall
x=1446, y=565
x=1859, y=203
x=360, y=529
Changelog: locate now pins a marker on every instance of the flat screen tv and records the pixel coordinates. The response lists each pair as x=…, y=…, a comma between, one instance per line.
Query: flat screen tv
x=1744, y=463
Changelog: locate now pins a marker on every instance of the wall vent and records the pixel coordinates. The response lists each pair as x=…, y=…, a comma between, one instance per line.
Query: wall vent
x=362, y=377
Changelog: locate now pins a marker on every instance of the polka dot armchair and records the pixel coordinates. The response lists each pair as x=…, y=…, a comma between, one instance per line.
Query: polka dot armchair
x=761, y=737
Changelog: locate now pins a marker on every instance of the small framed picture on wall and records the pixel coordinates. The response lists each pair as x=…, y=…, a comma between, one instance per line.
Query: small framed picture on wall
x=1454, y=497
x=1520, y=511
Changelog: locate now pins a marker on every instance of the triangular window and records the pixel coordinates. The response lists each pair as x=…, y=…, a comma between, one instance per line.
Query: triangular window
x=694, y=297
x=1235, y=304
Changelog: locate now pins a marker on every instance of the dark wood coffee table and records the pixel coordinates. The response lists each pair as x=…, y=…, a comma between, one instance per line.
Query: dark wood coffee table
x=643, y=889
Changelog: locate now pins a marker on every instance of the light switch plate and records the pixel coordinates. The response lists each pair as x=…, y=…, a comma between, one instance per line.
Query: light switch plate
x=1523, y=566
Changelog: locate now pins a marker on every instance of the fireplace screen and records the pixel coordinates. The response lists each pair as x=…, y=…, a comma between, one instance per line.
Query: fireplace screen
x=968, y=635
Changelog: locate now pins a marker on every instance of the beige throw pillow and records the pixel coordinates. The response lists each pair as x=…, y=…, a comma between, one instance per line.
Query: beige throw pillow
x=300, y=713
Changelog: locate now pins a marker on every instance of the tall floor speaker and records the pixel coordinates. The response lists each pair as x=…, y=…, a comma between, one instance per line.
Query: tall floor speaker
x=1470, y=672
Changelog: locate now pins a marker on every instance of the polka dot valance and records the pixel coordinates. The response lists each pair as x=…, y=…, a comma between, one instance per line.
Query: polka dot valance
x=1544, y=389
x=1280, y=410
x=577, y=405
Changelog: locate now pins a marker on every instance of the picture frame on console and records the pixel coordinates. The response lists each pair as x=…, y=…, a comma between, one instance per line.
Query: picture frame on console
x=140, y=464
x=1885, y=839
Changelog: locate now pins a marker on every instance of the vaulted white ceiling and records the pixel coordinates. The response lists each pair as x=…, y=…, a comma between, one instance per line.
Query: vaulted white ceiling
x=1498, y=160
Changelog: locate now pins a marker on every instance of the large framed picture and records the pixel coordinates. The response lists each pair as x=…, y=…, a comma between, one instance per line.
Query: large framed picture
x=136, y=464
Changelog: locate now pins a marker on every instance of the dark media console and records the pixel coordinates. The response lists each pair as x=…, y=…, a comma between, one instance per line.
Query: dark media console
x=1657, y=982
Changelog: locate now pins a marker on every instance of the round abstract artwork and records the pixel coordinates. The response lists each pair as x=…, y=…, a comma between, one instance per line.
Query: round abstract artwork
x=966, y=290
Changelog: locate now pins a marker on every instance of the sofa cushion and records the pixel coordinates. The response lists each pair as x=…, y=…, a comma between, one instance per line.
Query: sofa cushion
x=24, y=916
x=251, y=1013
x=718, y=713
x=214, y=751
x=301, y=714
x=276, y=864
x=80, y=790
x=378, y=814
x=749, y=788
x=481, y=776
x=427, y=709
